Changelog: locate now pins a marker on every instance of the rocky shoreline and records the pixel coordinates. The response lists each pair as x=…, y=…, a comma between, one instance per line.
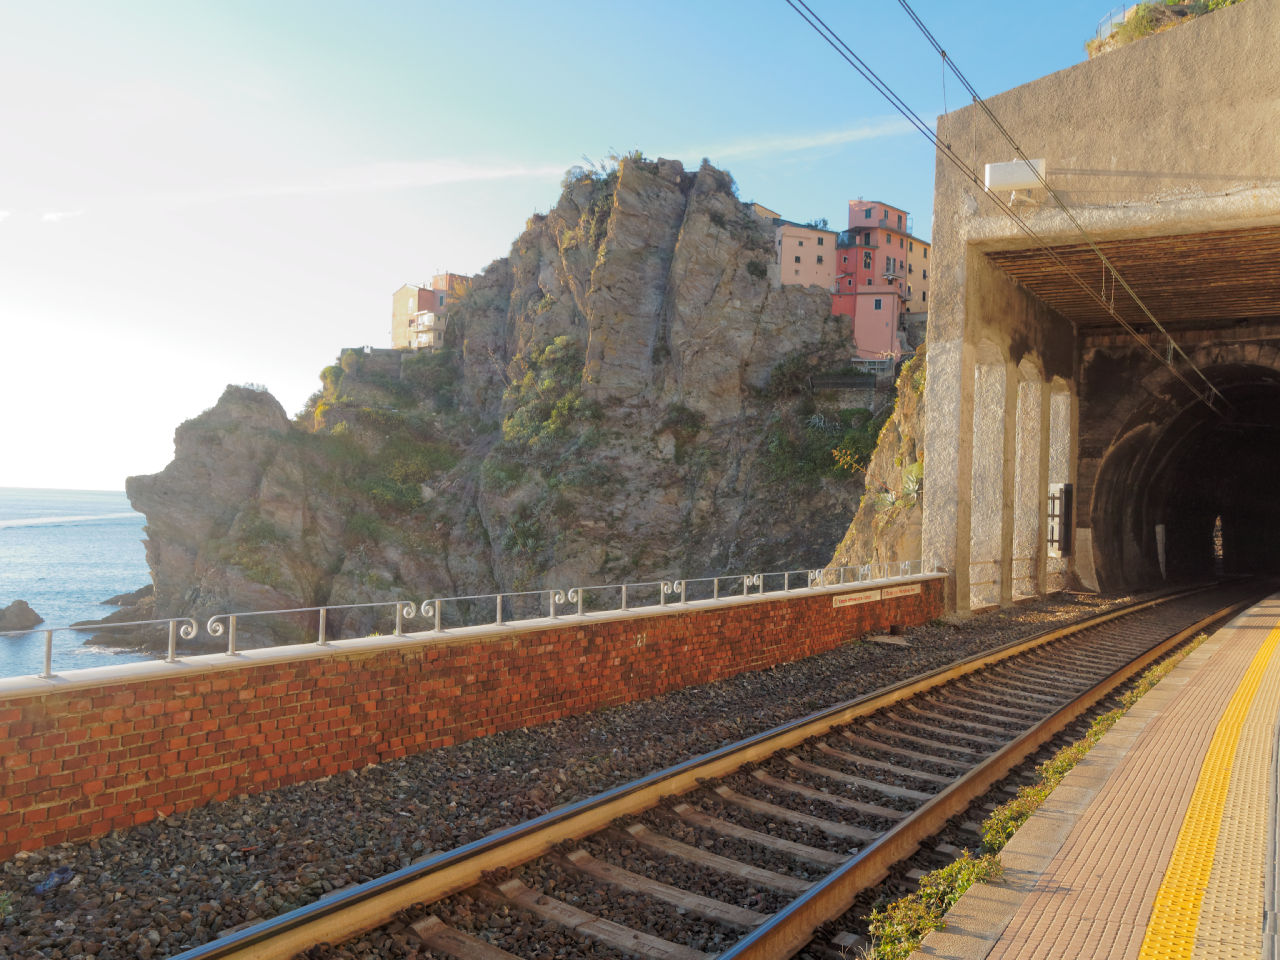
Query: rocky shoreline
x=163, y=887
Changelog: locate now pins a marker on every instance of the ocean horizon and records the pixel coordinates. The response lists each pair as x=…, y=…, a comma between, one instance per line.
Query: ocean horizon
x=65, y=552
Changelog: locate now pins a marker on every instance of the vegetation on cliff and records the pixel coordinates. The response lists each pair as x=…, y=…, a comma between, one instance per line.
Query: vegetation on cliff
x=1148, y=18
x=886, y=526
x=626, y=395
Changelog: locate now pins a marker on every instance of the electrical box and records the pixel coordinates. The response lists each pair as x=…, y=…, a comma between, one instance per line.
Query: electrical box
x=1014, y=175
x=1061, y=519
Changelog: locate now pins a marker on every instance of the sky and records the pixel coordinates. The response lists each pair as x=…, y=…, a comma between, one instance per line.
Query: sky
x=218, y=192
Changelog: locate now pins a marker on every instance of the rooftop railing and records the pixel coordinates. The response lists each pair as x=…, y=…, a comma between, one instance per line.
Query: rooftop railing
x=440, y=615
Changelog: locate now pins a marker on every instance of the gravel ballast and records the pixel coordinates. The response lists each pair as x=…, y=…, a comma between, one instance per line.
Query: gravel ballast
x=160, y=888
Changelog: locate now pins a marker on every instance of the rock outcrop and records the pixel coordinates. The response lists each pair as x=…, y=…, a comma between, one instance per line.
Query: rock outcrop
x=19, y=616
x=626, y=395
x=886, y=527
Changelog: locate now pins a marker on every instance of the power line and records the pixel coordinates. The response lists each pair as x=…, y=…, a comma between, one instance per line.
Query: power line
x=849, y=56
x=1107, y=264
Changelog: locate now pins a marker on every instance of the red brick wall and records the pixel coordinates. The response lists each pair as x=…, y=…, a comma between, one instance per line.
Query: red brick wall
x=77, y=763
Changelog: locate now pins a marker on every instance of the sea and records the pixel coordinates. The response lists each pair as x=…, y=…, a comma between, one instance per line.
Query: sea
x=65, y=552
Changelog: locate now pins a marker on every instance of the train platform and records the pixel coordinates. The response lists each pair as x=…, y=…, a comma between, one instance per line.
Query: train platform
x=1161, y=844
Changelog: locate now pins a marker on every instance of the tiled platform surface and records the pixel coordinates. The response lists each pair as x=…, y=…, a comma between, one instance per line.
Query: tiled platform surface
x=1160, y=843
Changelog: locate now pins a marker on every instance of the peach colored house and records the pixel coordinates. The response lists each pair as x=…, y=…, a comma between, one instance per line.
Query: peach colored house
x=419, y=313
x=806, y=255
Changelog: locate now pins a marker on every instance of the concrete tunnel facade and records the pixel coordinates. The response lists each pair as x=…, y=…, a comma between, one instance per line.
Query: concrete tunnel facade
x=1167, y=151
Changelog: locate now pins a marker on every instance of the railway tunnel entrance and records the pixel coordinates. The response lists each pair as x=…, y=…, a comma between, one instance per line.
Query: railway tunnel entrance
x=1102, y=402
x=1178, y=426
x=1185, y=491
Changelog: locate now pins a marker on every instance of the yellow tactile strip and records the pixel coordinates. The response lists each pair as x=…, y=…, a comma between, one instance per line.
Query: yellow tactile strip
x=1230, y=919
x=1175, y=915
x=1094, y=898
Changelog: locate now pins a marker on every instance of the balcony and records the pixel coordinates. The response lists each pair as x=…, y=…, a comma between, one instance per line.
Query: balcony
x=853, y=238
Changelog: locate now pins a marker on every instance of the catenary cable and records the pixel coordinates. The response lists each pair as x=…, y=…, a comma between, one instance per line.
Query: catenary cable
x=845, y=52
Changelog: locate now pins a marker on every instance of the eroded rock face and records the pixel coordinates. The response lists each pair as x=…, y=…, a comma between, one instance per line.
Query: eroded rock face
x=622, y=397
x=886, y=527
x=19, y=616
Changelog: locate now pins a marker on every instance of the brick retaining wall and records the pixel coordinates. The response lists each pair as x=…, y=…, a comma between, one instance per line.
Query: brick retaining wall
x=76, y=763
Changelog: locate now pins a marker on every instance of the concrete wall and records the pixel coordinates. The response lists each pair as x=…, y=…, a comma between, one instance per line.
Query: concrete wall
x=1174, y=133
x=83, y=757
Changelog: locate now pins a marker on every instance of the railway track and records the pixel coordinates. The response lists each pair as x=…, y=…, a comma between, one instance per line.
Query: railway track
x=745, y=851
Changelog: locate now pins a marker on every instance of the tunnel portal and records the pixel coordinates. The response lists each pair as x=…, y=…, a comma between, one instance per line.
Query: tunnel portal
x=1077, y=323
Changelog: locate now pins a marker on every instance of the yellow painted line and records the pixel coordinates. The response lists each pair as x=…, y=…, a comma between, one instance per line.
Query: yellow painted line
x=1171, y=932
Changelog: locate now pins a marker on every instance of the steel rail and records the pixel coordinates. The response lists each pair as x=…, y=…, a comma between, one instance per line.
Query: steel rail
x=364, y=907
x=788, y=930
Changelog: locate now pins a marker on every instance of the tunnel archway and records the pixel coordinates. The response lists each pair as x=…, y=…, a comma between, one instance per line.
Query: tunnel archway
x=1176, y=466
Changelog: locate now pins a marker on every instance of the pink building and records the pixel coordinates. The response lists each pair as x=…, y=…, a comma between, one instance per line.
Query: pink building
x=880, y=276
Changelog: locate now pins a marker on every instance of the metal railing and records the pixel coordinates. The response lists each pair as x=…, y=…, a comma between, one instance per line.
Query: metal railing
x=442, y=614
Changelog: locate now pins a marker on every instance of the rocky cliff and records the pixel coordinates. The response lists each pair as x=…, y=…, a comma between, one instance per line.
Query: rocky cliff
x=625, y=396
x=887, y=525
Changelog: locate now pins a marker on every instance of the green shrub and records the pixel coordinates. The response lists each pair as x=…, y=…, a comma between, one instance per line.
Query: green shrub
x=434, y=375
x=331, y=376
x=364, y=526
x=499, y=473
x=758, y=269
x=524, y=536
x=897, y=929
x=546, y=402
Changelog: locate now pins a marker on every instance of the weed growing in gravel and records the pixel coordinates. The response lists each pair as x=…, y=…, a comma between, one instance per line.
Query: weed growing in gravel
x=898, y=928
x=1008, y=817
x=5, y=907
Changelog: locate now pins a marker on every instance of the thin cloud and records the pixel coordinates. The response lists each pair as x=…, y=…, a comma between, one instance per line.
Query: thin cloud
x=797, y=143
x=56, y=216
x=5, y=214
x=369, y=177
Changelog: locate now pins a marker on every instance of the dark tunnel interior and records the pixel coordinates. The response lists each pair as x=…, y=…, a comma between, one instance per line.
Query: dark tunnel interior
x=1183, y=472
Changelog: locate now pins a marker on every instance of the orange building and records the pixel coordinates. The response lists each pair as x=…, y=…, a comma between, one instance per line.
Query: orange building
x=806, y=254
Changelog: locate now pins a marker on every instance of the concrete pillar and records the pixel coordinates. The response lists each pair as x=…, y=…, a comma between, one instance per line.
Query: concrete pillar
x=1028, y=534
x=987, y=495
x=1061, y=447
x=948, y=438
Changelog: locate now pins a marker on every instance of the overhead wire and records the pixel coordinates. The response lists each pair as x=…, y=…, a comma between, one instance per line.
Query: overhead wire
x=1116, y=276
x=847, y=53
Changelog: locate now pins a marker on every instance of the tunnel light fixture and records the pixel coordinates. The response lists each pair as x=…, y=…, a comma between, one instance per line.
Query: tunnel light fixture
x=1015, y=175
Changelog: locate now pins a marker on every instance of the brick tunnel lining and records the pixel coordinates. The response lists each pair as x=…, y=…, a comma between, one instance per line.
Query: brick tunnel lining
x=1181, y=465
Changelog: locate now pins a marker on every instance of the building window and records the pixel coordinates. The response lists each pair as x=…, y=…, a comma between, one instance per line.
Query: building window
x=866, y=260
x=441, y=303
x=868, y=281
x=924, y=274
x=911, y=247
x=867, y=212
x=849, y=282
x=819, y=241
x=797, y=259
x=877, y=303
x=868, y=238
x=899, y=243
x=908, y=290
x=899, y=221
x=924, y=295
x=819, y=258
x=911, y=268
x=926, y=253
x=844, y=259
